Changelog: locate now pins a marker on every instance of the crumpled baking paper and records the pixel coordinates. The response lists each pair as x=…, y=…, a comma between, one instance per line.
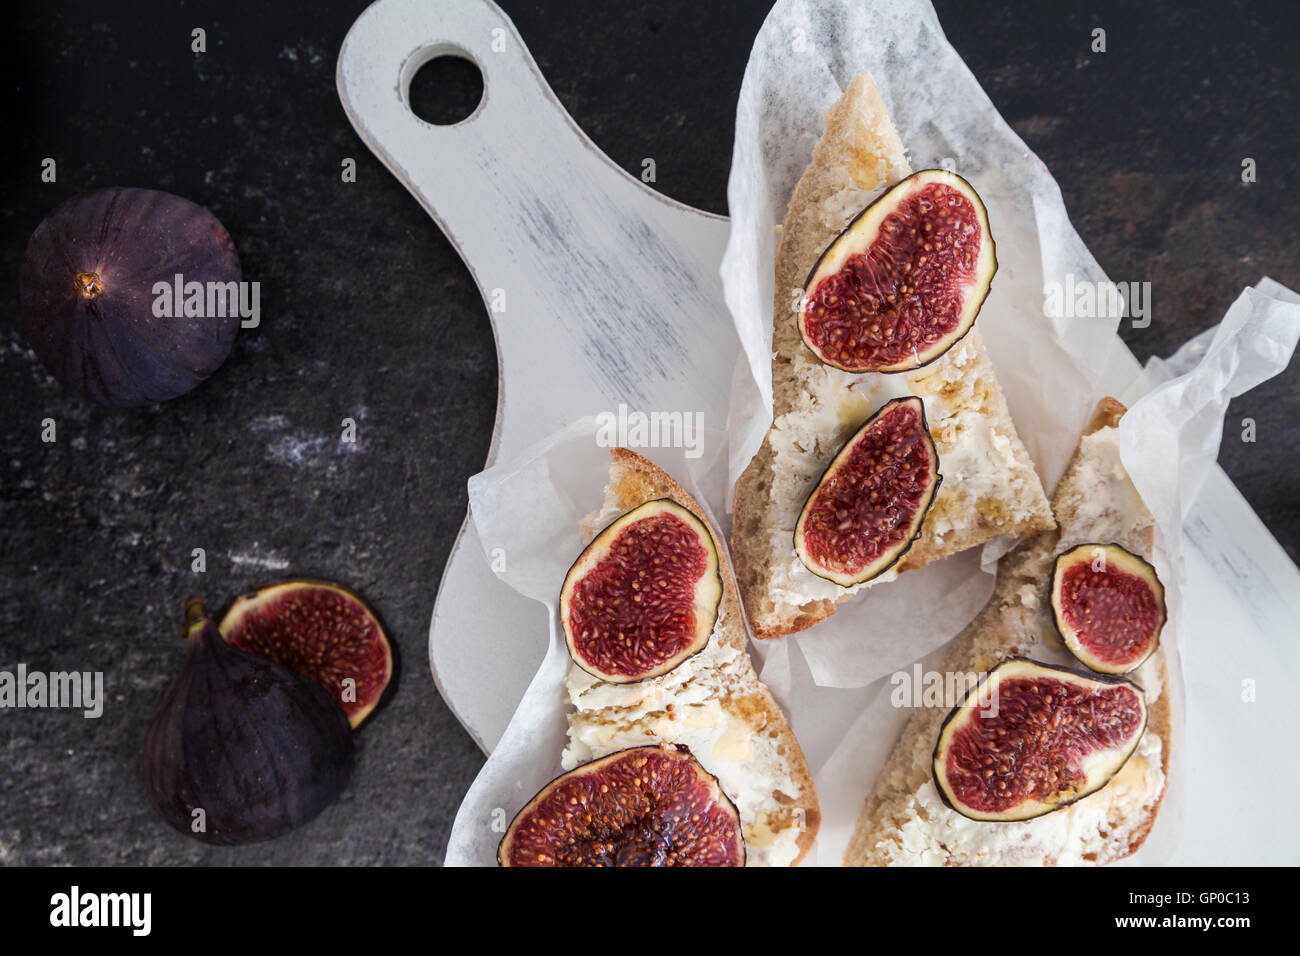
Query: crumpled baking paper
x=832, y=680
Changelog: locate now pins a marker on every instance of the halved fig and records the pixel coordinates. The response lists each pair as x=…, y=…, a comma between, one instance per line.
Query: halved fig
x=1031, y=738
x=320, y=630
x=869, y=505
x=1109, y=606
x=905, y=279
x=648, y=806
x=643, y=596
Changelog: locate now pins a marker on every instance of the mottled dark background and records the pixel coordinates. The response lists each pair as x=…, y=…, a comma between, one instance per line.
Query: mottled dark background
x=368, y=313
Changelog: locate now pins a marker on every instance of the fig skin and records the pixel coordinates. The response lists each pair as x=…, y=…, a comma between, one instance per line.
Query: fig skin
x=329, y=648
x=86, y=291
x=260, y=749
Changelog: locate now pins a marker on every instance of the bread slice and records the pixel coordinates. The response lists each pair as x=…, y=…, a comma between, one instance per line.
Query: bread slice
x=904, y=821
x=989, y=484
x=713, y=702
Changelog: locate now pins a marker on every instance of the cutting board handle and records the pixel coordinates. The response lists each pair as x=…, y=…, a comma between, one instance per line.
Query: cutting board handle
x=603, y=276
x=513, y=142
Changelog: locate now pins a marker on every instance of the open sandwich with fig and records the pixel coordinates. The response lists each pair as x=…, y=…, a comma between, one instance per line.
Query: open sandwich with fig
x=677, y=755
x=891, y=445
x=1058, y=751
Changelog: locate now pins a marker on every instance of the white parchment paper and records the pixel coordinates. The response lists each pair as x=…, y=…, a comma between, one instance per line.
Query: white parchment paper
x=832, y=679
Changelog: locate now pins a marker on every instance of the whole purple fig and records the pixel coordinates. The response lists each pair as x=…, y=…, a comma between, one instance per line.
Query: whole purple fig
x=130, y=296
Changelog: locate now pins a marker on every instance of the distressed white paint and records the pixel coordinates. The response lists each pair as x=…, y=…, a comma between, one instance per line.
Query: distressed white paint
x=614, y=296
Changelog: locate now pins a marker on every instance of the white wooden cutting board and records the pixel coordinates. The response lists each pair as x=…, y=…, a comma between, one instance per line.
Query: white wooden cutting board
x=611, y=295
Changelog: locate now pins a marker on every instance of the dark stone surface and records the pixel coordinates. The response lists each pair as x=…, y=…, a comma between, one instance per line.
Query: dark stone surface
x=368, y=313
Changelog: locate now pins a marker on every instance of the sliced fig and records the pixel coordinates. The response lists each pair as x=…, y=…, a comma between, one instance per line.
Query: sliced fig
x=320, y=630
x=905, y=279
x=1031, y=738
x=1109, y=606
x=869, y=505
x=648, y=806
x=643, y=596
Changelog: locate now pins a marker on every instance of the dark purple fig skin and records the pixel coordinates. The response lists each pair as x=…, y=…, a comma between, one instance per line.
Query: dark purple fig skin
x=112, y=349
x=259, y=748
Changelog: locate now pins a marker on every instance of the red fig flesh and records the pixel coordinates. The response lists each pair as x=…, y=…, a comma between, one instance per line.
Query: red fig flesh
x=1032, y=738
x=868, y=507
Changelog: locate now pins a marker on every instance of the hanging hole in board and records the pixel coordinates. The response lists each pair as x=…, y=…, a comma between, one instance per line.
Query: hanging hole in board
x=445, y=87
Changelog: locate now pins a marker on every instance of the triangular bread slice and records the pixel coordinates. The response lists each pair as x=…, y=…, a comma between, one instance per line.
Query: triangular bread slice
x=713, y=702
x=904, y=821
x=989, y=484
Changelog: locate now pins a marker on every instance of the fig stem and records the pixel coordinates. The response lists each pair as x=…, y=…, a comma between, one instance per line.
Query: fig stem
x=89, y=284
x=196, y=615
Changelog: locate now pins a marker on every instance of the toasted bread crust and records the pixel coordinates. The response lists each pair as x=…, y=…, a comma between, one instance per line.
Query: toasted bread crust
x=1106, y=415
